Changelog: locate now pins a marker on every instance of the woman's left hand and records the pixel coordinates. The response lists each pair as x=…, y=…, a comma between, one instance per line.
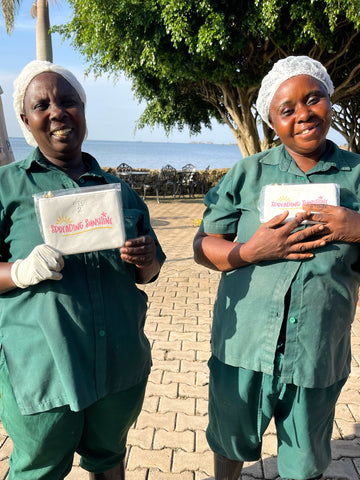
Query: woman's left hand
x=141, y=252
x=341, y=224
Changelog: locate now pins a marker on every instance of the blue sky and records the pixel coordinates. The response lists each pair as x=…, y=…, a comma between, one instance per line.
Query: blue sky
x=112, y=111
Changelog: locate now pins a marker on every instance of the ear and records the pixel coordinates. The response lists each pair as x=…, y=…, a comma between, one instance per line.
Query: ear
x=25, y=121
x=272, y=125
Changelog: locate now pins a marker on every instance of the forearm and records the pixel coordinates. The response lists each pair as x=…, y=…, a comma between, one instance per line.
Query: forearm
x=273, y=240
x=146, y=273
x=218, y=253
x=6, y=282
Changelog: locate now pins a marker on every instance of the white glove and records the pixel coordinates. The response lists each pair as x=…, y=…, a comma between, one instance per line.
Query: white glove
x=43, y=263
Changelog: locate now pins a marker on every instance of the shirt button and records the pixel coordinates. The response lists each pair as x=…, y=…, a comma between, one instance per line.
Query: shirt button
x=102, y=333
x=292, y=320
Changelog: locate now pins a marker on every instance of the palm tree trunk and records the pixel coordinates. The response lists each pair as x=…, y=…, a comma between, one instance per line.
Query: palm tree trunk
x=6, y=153
x=43, y=36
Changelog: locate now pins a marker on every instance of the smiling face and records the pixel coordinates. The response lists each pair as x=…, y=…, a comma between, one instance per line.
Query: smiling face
x=300, y=113
x=54, y=114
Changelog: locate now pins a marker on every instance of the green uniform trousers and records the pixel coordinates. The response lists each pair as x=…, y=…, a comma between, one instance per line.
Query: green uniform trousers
x=242, y=404
x=45, y=443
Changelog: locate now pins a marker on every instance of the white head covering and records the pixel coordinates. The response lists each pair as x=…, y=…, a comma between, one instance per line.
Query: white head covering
x=283, y=70
x=21, y=83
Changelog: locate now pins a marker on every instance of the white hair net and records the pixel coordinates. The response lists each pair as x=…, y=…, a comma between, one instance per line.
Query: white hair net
x=30, y=71
x=283, y=70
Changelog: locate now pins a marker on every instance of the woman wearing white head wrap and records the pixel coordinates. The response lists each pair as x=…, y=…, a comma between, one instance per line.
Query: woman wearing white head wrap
x=287, y=294
x=283, y=70
x=21, y=83
x=74, y=362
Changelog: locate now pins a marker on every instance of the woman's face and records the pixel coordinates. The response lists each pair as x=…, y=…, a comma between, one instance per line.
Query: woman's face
x=300, y=114
x=55, y=116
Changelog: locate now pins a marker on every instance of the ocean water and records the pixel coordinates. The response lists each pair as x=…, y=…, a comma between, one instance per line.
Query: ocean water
x=150, y=155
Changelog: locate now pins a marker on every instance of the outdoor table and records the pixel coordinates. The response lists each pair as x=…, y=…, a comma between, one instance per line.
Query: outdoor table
x=136, y=180
x=133, y=172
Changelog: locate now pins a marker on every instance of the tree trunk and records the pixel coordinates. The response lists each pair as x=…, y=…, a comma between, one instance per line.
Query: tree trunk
x=346, y=120
x=6, y=153
x=43, y=37
x=236, y=111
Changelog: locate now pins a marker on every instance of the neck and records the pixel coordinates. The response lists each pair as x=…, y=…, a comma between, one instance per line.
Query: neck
x=74, y=172
x=74, y=167
x=304, y=163
x=307, y=162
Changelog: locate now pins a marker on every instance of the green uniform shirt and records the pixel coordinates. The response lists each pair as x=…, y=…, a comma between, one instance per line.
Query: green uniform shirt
x=75, y=340
x=250, y=305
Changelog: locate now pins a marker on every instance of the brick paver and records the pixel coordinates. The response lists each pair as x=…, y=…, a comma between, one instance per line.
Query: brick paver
x=168, y=440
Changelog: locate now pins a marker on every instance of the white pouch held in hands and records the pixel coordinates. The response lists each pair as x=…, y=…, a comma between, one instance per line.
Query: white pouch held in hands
x=277, y=198
x=80, y=220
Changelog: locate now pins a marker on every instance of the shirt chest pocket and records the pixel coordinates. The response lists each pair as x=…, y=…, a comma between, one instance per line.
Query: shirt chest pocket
x=134, y=223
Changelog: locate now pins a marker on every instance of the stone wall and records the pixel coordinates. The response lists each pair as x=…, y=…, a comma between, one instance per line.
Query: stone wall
x=209, y=177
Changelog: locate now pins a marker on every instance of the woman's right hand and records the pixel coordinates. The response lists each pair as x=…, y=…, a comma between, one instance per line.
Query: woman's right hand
x=43, y=263
x=274, y=240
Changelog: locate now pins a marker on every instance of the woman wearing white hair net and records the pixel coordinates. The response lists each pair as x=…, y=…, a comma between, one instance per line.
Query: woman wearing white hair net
x=74, y=358
x=288, y=290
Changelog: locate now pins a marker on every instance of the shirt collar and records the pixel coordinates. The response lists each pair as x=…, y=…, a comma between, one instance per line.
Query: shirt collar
x=36, y=159
x=333, y=158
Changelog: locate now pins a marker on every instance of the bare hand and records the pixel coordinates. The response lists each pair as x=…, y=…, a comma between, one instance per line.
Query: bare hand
x=140, y=251
x=340, y=223
x=274, y=241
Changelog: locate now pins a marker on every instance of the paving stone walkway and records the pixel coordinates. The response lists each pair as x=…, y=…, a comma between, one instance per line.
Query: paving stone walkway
x=168, y=440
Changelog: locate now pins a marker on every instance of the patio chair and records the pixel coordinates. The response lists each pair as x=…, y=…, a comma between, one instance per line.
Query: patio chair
x=167, y=177
x=204, y=180
x=136, y=180
x=125, y=172
x=188, y=179
x=139, y=183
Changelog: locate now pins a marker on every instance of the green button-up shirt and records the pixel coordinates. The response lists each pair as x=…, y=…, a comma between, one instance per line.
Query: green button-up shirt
x=250, y=305
x=73, y=341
